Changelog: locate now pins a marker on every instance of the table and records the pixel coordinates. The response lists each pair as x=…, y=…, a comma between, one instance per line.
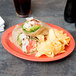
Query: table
x=51, y=11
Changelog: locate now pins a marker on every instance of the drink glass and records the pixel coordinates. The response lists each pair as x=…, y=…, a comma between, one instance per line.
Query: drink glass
x=23, y=7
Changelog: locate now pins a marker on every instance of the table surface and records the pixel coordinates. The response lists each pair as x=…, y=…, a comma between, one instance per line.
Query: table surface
x=51, y=11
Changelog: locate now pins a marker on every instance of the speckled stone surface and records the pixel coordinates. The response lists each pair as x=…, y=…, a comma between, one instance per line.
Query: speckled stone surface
x=50, y=11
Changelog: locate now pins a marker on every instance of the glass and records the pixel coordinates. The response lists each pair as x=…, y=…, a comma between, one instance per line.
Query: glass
x=70, y=12
x=23, y=7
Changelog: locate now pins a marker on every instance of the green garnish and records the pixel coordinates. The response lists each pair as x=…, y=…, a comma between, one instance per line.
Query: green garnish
x=18, y=39
x=30, y=30
x=33, y=29
x=26, y=21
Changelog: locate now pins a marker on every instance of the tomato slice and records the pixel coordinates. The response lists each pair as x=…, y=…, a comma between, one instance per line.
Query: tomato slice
x=31, y=46
x=36, y=23
x=45, y=38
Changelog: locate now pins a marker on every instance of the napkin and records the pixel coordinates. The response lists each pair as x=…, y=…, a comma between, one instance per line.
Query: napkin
x=2, y=24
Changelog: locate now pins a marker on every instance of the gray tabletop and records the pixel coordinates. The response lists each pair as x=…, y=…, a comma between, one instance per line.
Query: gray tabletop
x=51, y=11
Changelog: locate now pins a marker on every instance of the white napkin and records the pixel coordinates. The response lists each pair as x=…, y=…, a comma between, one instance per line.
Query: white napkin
x=2, y=24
